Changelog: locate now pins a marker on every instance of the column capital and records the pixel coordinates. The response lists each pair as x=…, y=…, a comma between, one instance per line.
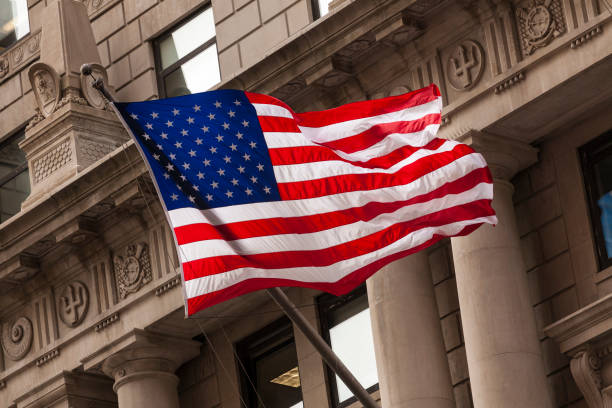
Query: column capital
x=505, y=156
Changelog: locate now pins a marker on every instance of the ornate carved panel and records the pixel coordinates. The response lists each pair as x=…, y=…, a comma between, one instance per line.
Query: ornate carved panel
x=539, y=22
x=21, y=54
x=46, y=87
x=465, y=65
x=73, y=303
x=52, y=161
x=132, y=269
x=17, y=338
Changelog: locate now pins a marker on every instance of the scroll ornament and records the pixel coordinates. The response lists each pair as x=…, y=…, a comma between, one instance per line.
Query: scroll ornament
x=17, y=338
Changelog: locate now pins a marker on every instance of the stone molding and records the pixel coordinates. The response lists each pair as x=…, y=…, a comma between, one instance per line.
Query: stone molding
x=167, y=286
x=107, y=321
x=26, y=50
x=45, y=358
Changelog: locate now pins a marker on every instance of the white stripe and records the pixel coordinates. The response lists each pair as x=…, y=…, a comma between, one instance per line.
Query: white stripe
x=335, y=202
x=355, y=126
x=330, y=168
x=331, y=237
x=330, y=273
x=272, y=110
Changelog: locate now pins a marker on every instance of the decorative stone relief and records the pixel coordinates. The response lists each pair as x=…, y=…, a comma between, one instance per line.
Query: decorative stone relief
x=46, y=87
x=507, y=83
x=585, y=368
x=176, y=281
x=465, y=65
x=104, y=323
x=19, y=55
x=45, y=358
x=539, y=23
x=73, y=303
x=134, y=270
x=584, y=37
x=17, y=338
x=4, y=67
x=52, y=161
x=92, y=95
x=92, y=151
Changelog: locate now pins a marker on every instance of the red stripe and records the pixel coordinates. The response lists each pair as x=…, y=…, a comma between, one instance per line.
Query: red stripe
x=266, y=99
x=378, y=132
x=310, y=154
x=319, y=222
x=338, y=288
x=347, y=250
x=363, y=109
x=299, y=190
x=278, y=124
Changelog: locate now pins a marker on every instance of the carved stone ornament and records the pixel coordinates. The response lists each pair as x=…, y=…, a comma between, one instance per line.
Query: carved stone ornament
x=46, y=86
x=134, y=270
x=585, y=368
x=4, y=67
x=539, y=24
x=17, y=338
x=73, y=303
x=465, y=65
x=94, y=97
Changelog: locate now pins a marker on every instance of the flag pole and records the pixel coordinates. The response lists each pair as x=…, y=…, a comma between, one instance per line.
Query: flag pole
x=328, y=355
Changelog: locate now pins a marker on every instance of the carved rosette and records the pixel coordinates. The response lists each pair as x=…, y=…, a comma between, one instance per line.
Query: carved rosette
x=133, y=270
x=94, y=97
x=46, y=87
x=73, y=303
x=17, y=338
x=4, y=67
x=465, y=65
x=539, y=23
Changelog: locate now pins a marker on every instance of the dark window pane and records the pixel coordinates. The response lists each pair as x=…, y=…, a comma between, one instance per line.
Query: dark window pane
x=603, y=175
x=14, y=180
x=14, y=23
x=196, y=75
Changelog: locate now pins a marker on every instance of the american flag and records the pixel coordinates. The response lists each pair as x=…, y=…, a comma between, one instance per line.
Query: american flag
x=260, y=196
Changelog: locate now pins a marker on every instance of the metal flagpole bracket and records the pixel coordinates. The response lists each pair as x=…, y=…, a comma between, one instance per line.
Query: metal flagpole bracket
x=330, y=358
x=98, y=83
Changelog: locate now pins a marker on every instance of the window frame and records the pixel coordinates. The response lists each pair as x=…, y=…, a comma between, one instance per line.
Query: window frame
x=279, y=327
x=326, y=302
x=162, y=73
x=590, y=153
x=18, y=40
x=17, y=135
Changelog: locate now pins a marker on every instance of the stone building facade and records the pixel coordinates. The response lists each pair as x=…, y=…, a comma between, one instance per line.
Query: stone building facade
x=517, y=315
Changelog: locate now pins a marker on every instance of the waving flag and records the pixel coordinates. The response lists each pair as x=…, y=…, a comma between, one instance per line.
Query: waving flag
x=260, y=196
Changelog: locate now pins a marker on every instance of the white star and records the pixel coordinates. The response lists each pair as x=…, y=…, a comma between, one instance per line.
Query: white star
x=219, y=138
x=175, y=111
x=166, y=176
x=209, y=197
x=231, y=113
x=192, y=199
x=253, y=179
x=214, y=184
x=241, y=169
x=217, y=104
x=196, y=108
x=248, y=191
x=211, y=116
x=225, y=125
x=186, y=166
x=174, y=197
x=198, y=141
x=206, y=162
x=146, y=137
x=239, y=135
x=260, y=167
x=179, y=187
x=229, y=194
x=227, y=159
x=253, y=145
x=184, y=132
x=156, y=156
x=134, y=116
x=246, y=157
x=237, y=102
x=164, y=135
x=172, y=156
x=190, y=120
x=169, y=123
x=245, y=123
x=200, y=175
x=183, y=178
x=234, y=182
x=196, y=188
x=267, y=189
x=160, y=147
x=149, y=126
x=213, y=150
x=233, y=147
x=204, y=129
x=221, y=172
x=178, y=145
x=192, y=153
x=170, y=167
x=154, y=115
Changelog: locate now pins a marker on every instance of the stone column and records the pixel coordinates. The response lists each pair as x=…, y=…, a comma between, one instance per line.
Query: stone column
x=410, y=356
x=503, y=351
x=144, y=370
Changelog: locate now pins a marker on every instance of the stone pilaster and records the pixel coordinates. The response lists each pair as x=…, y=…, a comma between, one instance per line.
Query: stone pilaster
x=144, y=369
x=410, y=357
x=503, y=351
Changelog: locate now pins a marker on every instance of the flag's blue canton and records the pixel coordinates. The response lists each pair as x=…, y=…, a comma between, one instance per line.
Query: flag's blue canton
x=206, y=150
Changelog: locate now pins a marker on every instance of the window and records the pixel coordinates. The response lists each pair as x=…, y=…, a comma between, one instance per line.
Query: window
x=347, y=328
x=14, y=178
x=597, y=168
x=270, y=360
x=14, y=23
x=187, y=57
x=320, y=8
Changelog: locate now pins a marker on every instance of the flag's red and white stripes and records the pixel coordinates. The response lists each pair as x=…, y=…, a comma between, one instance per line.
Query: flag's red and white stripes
x=362, y=185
